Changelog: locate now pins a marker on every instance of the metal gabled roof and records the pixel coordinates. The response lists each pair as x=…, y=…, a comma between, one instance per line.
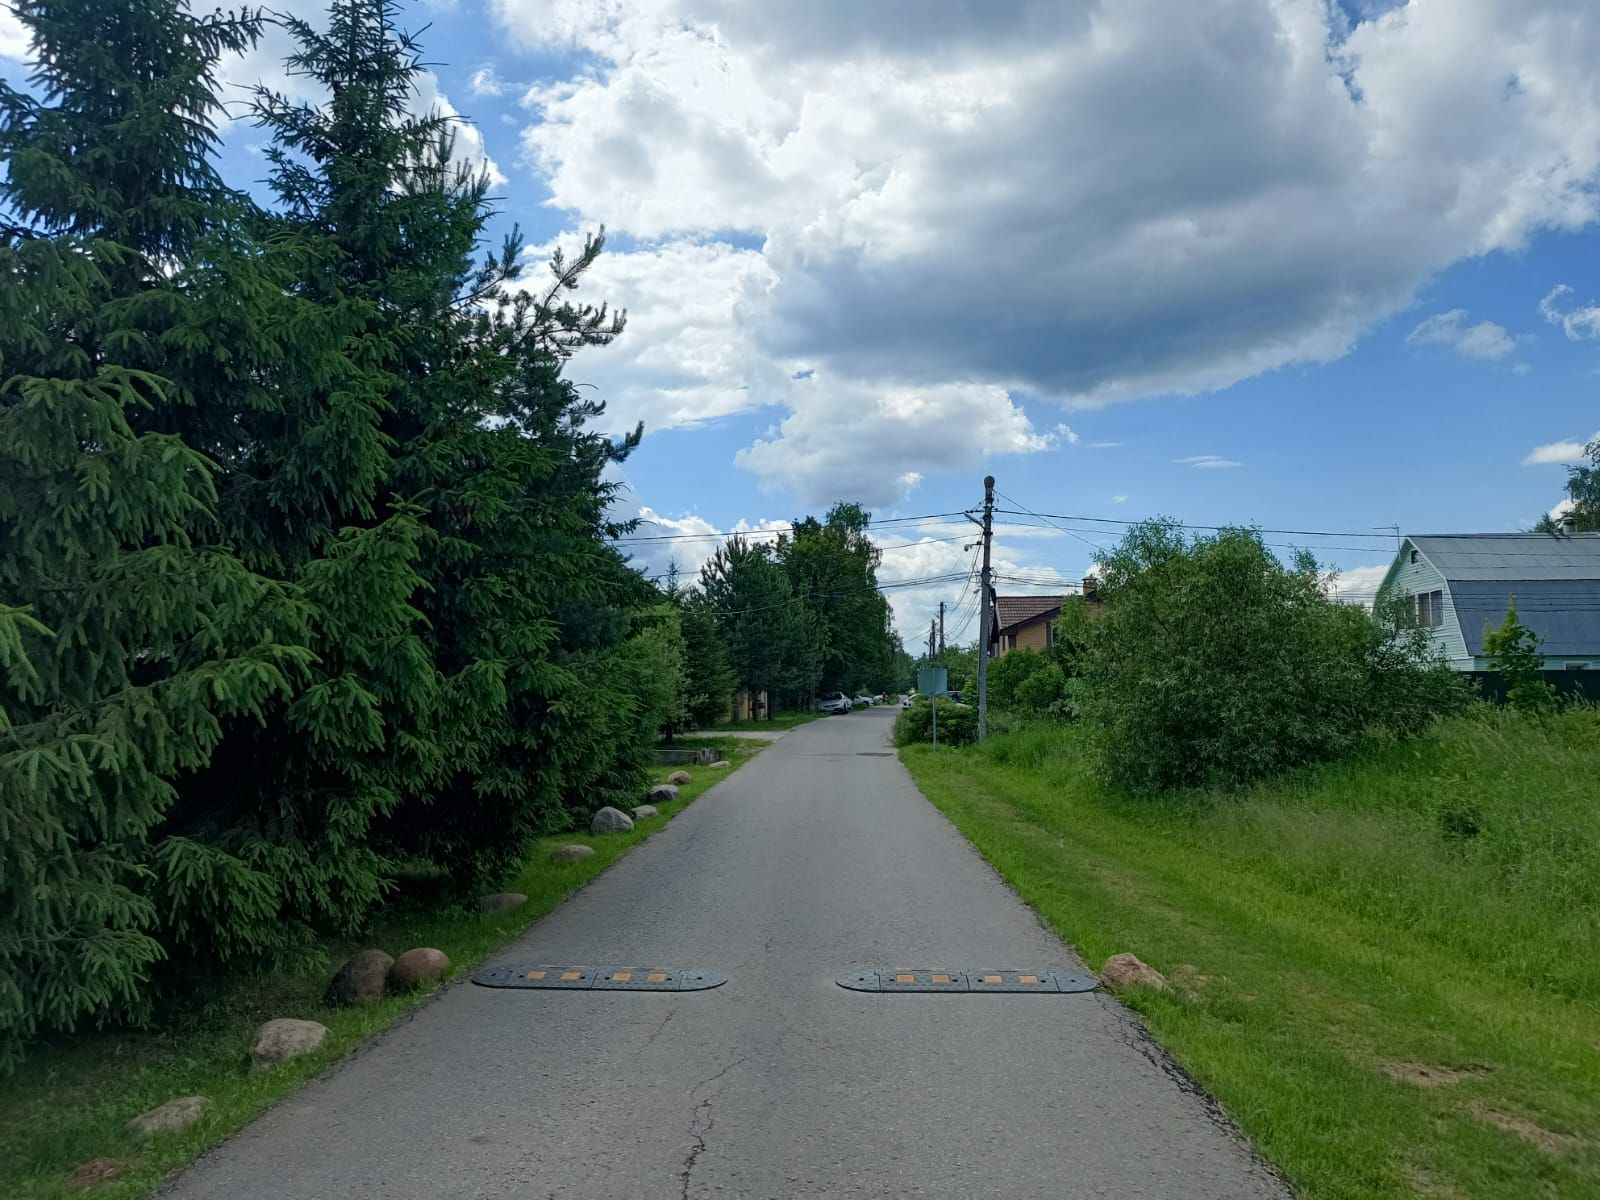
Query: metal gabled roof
x=1507, y=556
x=1564, y=613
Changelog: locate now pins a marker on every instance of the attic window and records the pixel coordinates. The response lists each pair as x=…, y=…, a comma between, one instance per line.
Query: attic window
x=1415, y=555
x=1429, y=608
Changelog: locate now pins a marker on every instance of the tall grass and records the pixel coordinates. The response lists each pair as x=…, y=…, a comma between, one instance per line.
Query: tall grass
x=1483, y=838
x=1386, y=969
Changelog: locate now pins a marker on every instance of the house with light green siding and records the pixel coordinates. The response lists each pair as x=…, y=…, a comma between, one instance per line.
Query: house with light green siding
x=1460, y=585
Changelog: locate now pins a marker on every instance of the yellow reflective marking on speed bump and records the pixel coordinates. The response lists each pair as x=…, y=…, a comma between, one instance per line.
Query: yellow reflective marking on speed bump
x=990, y=982
x=573, y=978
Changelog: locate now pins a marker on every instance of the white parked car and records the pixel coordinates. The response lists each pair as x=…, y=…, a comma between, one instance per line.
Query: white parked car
x=833, y=703
x=863, y=702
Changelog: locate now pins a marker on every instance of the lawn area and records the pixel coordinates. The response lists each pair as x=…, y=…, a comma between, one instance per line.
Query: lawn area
x=67, y=1104
x=782, y=720
x=1387, y=970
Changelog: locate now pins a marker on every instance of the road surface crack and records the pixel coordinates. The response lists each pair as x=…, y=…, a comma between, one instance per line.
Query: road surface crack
x=698, y=1132
x=665, y=1021
x=701, y=1123
x=713, y=1078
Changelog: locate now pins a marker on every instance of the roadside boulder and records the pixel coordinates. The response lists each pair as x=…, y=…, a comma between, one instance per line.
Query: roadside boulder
x=172, y=1117
x=417, y=967
x=662, y=791
x=95, y=1172
x=284, y=1038
x=571, y=853
x=1125, y=971
x=644, y=812
x=360, y=980
x=679, y=778
x=720, y=764
x=611, y=820
x=498, y=902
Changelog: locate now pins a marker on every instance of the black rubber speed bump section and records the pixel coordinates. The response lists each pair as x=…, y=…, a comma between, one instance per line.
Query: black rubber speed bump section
x=600, y=979
x=940, y=980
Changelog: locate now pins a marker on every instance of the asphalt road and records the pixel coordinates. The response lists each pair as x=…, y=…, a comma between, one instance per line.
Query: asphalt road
x=817, y=856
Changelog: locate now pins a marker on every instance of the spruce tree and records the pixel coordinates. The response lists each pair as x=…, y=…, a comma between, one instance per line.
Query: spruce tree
x=128, y=632
x=772, y=639
x=489, y=640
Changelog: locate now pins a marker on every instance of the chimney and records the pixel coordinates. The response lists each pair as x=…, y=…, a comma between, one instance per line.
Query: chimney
x=1091, y=589
x=1568, y=525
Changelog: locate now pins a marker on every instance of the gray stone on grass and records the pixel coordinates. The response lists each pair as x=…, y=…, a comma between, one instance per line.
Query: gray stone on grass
x=1124, y=970
x=721, y=764
x=644, y=812
x=361, y=979
x=172, y=1117
x=662, y=792
x=284, y=1038
x=571, y=853
x=499, y=902
x=417, y=967
x=611, y=820
x=680, y=778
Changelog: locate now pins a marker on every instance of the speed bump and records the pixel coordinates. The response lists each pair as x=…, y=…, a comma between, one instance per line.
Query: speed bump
x=600, y=979
x=941, y=979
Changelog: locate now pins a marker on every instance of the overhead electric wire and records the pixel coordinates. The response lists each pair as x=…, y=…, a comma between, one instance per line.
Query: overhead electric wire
x=1187, y=525
x=1029, y=512
x=882, y=587
x=771, y=530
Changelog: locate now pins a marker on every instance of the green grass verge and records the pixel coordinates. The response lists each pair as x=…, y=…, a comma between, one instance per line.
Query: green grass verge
x=67, y=1104
x=1386, y=970
x=783, y=720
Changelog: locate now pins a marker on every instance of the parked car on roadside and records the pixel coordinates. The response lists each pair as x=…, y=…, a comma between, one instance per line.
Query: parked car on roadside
x=833, y=703
x=863, y=701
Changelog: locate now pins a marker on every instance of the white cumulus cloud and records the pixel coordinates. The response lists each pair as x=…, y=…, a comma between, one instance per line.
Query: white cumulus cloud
x=1483, y=340
x=1557, y=452
x=13, y=36
x=1167, y=196
x=1207, y=462
x=1577, y=321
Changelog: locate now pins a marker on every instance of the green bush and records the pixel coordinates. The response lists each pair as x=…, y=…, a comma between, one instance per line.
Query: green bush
x=958, y=723
x=1216, y=664
x=1513, y=651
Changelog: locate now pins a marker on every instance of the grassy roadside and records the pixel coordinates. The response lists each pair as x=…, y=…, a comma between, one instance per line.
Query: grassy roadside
x=1387, y=971
x=67, y=1104
x=779, y=721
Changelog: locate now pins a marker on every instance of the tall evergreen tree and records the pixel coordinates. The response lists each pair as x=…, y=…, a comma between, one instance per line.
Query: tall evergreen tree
x=771, y=638
x=127, y=633
x=833, y=570
x=481, y=657
x=708, y=677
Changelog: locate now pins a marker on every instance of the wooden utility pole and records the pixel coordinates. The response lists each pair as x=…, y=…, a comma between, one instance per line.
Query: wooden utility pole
x=933, y=639
x=941, y=627
x=983, y=611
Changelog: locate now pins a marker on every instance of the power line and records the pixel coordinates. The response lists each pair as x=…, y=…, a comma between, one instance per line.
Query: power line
x=896, y=585
x=1214, y=528
x=770, y=530
x=1029, y=512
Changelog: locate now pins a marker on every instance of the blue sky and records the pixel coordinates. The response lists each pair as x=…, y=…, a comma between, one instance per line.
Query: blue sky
x=1260, y=261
